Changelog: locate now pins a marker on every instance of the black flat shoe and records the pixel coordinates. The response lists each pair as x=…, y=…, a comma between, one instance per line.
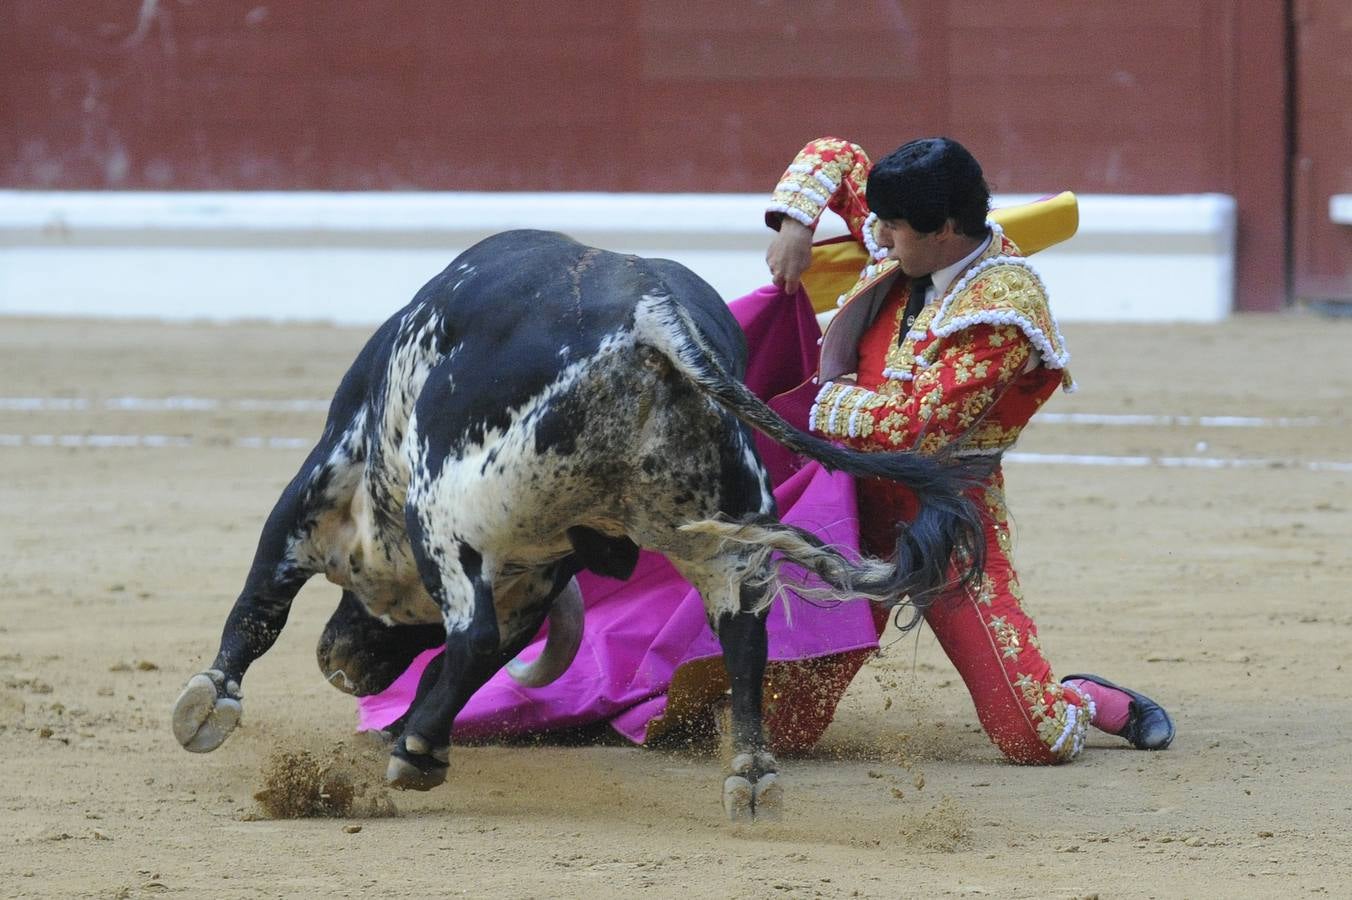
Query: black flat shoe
x=1148, y=725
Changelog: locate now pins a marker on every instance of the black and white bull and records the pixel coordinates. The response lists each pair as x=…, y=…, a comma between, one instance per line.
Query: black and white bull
x=539, y=408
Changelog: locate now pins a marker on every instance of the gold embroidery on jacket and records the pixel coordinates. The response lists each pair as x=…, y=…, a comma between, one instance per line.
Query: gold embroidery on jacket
x=1009, y=289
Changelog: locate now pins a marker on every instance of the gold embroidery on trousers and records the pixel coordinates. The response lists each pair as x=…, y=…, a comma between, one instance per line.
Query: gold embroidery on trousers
x=1006, y=636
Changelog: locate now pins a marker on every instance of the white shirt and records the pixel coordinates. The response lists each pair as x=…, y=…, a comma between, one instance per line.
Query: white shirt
x=944, y=277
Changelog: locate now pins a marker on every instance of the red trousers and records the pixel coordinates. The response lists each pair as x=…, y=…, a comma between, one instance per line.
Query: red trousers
x=986, y=633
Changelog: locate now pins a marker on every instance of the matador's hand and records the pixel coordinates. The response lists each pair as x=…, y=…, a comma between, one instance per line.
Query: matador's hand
x=790, y=254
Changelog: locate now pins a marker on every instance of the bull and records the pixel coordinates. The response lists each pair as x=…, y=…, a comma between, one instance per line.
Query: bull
x=539, y=408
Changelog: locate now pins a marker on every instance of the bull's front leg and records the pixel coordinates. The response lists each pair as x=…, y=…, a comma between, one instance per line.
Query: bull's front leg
x=537, y=596
x=752, y=789
x=421, y=757
x=209, y=708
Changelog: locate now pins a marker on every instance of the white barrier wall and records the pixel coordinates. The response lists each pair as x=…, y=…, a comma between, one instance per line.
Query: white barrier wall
x=354, y=258
x=1340, y=209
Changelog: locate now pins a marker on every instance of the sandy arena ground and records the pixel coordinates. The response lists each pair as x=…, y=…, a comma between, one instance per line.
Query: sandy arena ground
x=1223, y=592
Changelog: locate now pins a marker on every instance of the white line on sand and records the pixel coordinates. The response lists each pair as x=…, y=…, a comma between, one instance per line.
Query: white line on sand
x=1176, y=462
x=208, y=404
x=106, y=441
x=1142, y=419
x=157, y=404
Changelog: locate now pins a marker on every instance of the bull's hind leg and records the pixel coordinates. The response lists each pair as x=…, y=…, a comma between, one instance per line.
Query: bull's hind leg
x=361, y=655
x=752, y=790
x=737, y=612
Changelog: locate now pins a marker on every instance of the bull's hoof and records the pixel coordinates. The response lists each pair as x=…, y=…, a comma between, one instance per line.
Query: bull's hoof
x=753, y=792
x=206, y=712
x=407, y=776
x=768, y=798
x=415, y=766
x=739, y=799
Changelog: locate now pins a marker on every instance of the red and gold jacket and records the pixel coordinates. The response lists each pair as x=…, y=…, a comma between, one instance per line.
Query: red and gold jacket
x=973, y=368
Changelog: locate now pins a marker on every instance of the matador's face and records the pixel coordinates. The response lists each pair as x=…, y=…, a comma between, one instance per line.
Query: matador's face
x=924, y=252
x=920, y=253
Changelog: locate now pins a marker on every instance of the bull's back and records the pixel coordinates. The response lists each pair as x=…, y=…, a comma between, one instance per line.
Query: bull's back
x=492, y=332
x=521, y=307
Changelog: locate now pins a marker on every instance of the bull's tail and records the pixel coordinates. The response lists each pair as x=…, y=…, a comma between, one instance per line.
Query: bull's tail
x=947, y=523
x=909, y=581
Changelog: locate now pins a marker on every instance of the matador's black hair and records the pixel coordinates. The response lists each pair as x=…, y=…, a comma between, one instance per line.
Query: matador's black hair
x=928, y=181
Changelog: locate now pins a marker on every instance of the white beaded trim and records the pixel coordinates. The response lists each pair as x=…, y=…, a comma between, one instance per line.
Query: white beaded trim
x=850, y=396
x=1087, y=701
x=1088, y=708
x=817, y=403
x=803, y=168
x=825, y=181
x=791, y=188
x=896, y=375
x=1050, y=356
x=874, y=251
x=835, y=411
x=1072, y=713
x=844, y=395
x=796, y=214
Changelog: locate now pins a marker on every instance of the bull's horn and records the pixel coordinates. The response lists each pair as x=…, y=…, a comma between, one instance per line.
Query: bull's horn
x=561, y=643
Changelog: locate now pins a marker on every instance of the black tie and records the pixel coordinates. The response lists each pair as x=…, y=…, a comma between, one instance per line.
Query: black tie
x=915, y=303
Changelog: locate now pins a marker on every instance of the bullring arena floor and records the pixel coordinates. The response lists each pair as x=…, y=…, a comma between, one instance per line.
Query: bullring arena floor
x=1148, y=552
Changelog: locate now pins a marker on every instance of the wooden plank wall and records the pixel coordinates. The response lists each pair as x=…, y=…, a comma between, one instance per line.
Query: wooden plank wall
x=1321, y=249
x=1156, y=96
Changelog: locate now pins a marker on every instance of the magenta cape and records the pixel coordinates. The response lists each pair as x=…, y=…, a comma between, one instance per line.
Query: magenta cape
x=641, y=631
